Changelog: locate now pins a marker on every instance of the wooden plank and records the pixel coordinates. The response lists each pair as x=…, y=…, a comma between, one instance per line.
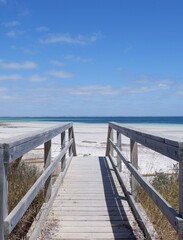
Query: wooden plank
x=15, y=215
x=46, y=207
x=119, y=146
x=95, y=236
x=96, y=218
x=82, y=224
x=3, y=195
x=108, y=144
x=63, y=142
x=155, y=143
x=74, y=144
x=181, y=196
x=18, y=146
x=47, y=162
x=134, y=161
x=94, y=209
x=143, y=222
x=96, y=229
x=171, y=215
x=70, y=137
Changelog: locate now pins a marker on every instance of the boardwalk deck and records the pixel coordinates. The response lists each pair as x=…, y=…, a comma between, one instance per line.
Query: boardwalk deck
x=90, y=205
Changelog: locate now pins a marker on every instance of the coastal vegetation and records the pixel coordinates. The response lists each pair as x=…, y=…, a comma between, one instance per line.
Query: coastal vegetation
x=167, y=186
x=21, y=177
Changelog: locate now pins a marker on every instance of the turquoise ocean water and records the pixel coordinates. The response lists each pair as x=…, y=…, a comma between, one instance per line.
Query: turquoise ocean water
x=134, y=120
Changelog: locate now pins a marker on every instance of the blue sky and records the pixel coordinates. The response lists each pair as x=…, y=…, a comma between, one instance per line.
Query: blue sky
x=91, y=57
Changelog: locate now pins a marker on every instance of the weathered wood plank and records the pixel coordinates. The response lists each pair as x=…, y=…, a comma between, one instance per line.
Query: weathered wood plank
x=47, y=162
x=153, y=142
x=96, y=208
x=93, y=235
x=172, y=216
x=12, y=219
x=3, y=195
x=18, y=146
x=119, y=146
x=63, y=141
x=134, y=161
x=181, y=195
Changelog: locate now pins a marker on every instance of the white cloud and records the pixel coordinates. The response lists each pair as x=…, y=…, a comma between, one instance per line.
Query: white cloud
x=11, y=24
x=93, y=90
x=42, y=29
x=17, y=66
x=78, y=59
x=25, y=50
x=10, y=77
x=57, y=63
x=7, y=97
x=60, y=74
x=37, y=78
x=14, y=33
x=70, y=40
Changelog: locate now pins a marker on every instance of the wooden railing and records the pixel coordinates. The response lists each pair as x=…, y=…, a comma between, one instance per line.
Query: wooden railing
x=13, y=149
x=167, y=147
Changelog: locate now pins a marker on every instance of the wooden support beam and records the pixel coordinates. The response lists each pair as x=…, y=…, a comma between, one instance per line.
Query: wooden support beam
x=134, y=161
x=47, y=162
x=3, y=193
x=62, y=147
x=70, y=130
x=119, y=146
x=181, y=193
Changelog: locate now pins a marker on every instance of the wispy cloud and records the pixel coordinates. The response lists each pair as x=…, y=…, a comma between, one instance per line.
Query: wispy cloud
x=37, y=78
x=57, y=63
x=93, y=90
x=17, y=66
x=60, y=74
x=66, y=38
x=10, y=77
x=10, y=24
x=15, y=33
x=42, y=29
x=24, y=50
x=78, y=59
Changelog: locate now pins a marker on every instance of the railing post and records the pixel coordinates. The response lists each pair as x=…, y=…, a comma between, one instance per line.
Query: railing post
x=47, y=162
x=111, y=151
x=181, y=192
x=3, y=193
x=74, y=144
x=134, y=161
x=70, y=133
x=119, y=146
x=108, y=143
x=62, y=147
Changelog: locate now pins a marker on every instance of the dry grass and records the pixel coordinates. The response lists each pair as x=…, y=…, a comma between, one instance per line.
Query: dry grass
x=167, y=186
x=21, y=177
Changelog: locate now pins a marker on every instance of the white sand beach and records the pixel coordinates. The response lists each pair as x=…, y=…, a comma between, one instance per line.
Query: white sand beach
x=91, y=141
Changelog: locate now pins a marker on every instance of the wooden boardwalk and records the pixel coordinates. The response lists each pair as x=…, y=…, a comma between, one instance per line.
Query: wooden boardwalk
x=90, y=204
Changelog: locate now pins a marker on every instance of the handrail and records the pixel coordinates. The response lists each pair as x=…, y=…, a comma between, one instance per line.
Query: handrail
x=167, y=147
x=15, y=148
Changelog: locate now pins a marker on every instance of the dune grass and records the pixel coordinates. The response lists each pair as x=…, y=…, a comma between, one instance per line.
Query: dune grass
x=167, y=186
x=20, y=178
